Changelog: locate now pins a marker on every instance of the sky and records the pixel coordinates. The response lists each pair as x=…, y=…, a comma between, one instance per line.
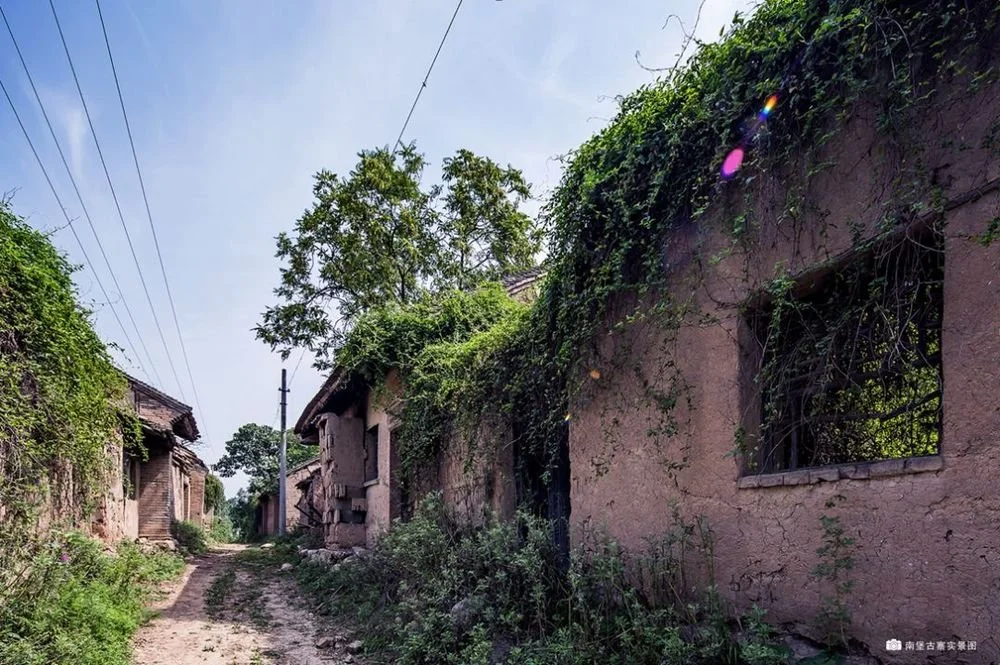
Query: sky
x=234, y=105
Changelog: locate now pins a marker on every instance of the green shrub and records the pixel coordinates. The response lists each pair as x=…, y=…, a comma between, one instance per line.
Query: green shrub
x=431, y=592
x=83, y=605
x=221, y=530
x=190, y=537
x=60, y=397
x=215, y=494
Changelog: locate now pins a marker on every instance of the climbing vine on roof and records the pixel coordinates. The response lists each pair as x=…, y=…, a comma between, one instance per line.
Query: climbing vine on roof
x=433, y=344
x=655, y=167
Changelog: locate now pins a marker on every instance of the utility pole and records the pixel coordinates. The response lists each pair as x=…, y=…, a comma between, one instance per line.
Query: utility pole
x=282, y=463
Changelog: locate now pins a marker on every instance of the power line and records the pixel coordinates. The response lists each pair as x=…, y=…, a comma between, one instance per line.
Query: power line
x=69, y=222
x=277, y=414
x=406, y=123
x=149, y=215
x=423, y=85
x=86, y=213
x=297, y=363
x=114, y=196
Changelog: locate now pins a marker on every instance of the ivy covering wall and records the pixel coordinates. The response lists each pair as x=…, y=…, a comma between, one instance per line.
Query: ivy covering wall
x=655, y=169
x=59, y=397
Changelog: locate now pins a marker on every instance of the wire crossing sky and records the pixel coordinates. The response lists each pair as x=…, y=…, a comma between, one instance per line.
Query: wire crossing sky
x=231, y=113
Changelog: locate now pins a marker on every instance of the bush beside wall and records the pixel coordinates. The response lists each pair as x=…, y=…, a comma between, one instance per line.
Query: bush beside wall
x=83, y=605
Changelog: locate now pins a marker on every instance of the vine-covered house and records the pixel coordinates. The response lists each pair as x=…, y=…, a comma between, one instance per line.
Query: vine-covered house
x=360, y=482
x=781, y=375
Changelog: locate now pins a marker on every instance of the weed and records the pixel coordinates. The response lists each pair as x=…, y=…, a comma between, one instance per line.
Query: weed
x=85, y=604
x=431, y=592
x=836, y=562
x=190, y=537
x=221, y=530
x=252, y=604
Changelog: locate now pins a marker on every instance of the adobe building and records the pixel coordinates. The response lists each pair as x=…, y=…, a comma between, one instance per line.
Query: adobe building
x=826, y=365
x=359, y=479
x=300, y=512
x=358, y=469
x=837, y=360
x=169, y=485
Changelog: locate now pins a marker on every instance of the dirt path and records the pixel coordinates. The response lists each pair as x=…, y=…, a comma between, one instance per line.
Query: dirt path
x=222, y=613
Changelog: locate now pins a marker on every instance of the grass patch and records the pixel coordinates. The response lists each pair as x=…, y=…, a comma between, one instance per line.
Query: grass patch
x=242, y=601
x=252, y=605
x=81, y=606
x=264, y=559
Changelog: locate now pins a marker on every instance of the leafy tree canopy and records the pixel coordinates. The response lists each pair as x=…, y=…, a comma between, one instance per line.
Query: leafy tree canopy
x=380, y=236
x=254, y=449
x=241, y=509
x=215, y=494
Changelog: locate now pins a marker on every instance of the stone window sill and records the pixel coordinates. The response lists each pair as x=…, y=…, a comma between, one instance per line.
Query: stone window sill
x=856, y=471
x=369, y=483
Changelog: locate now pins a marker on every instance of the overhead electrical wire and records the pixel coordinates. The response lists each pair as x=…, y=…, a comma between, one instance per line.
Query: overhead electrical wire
x=69, y=221
x=114, y=196
x=427, y=76
x=86, y=213
x=149, y=215
x=402, y=131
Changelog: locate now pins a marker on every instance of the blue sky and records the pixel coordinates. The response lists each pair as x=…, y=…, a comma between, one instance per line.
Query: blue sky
x=235, y=105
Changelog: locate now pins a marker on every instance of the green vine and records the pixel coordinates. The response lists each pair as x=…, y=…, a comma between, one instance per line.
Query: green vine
x=836, y=560
x=643, y=185
x=61, y=400
x=433, y=344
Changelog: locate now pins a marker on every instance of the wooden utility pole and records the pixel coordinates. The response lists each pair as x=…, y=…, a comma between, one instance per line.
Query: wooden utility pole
x=282, y=490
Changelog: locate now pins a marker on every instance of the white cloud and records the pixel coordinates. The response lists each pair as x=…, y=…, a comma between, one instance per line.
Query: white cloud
x=75, y=128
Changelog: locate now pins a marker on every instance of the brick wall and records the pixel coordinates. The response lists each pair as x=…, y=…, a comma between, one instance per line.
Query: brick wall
x=342, y=468
x=197, y=510
x=109, y=522
x=155, y=505
x=268, y=515
x=152, y=409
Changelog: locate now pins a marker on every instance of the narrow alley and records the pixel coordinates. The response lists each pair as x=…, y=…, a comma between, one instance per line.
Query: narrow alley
x=226, y=611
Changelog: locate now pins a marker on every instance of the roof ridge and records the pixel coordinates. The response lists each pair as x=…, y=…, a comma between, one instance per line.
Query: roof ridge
x=171, y=401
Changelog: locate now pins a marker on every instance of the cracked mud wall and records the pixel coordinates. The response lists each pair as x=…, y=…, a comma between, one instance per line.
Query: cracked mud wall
x=927, y=557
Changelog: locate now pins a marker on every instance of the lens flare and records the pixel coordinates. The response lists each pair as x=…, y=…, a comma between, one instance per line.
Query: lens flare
x=734, y=161
x=769, y=105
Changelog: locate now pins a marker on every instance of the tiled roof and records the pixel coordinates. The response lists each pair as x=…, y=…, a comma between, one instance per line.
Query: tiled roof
x=518, y=282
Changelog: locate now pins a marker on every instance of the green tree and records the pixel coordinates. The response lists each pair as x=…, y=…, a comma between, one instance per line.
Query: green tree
x=254, y=449
x=215, y=494
x=486, y=233
x=381, y=236
x=241, y=509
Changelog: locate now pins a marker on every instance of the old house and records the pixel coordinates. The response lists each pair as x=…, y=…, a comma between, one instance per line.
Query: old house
x=834, y=366
x=169, y=483
x=828, y=366
x=300, y=510
x=359, y=473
